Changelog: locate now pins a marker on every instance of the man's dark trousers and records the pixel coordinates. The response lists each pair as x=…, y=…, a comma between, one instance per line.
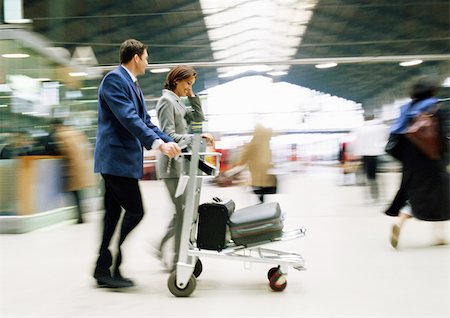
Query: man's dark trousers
x=120, y=192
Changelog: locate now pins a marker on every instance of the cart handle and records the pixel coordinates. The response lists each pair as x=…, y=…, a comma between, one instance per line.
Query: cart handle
x=216, y=154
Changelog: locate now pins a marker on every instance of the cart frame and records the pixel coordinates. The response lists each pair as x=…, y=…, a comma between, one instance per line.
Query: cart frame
x=182, y=281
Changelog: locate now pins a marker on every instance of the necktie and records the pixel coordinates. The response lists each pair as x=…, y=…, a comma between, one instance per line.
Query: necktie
x=138, y=88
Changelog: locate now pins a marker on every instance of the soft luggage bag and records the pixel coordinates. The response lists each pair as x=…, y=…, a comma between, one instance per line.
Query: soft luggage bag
x=257, y=223
x=212, y=231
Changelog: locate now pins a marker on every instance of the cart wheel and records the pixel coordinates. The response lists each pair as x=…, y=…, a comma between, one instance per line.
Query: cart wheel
x=272, y=271
x=181, y=292
x=198, y=268
x=275, y=284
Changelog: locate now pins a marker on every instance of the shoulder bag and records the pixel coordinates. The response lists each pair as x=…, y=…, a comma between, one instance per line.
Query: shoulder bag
x=393, y=146
x=424, y=133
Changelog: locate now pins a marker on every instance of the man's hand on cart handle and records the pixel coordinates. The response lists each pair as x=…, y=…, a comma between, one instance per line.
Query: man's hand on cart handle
x=170, y=149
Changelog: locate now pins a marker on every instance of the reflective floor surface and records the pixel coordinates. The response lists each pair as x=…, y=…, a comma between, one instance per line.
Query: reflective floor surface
x=352, y=271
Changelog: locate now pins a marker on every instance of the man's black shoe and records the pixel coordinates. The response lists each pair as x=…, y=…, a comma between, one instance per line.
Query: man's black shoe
x=118, y=276
x=124, y=279
x=110, y=282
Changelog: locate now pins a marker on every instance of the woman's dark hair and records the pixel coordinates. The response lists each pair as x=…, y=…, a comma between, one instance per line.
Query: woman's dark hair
x=423, y=88
x=178, y=73
x=129, y=48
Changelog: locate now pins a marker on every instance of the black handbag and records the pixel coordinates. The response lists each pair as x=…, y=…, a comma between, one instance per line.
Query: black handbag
x=393, y=146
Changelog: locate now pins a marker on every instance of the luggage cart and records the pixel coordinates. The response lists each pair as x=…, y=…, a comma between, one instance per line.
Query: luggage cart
x=182, y=281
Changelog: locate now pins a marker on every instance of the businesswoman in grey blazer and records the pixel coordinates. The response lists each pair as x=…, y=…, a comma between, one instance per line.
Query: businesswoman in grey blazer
x=124, y=128
x=175, y=118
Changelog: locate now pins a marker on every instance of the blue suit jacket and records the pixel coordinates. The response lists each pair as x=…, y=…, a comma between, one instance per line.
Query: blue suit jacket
x=124, y=127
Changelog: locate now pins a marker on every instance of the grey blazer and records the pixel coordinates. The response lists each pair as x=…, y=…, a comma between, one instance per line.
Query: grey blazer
x=174, y=119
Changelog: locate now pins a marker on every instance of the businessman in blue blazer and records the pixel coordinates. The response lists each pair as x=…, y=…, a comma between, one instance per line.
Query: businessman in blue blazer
x=124, y=129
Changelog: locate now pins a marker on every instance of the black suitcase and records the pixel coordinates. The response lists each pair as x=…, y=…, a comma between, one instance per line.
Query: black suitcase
x=257, y=223
x=212, y=231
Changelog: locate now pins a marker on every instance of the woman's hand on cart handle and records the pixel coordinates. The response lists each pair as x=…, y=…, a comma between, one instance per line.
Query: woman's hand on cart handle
x=170, y=149
x=209, y=139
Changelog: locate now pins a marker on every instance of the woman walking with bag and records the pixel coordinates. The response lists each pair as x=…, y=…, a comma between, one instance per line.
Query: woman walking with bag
x=258, y=156
x=424, y=189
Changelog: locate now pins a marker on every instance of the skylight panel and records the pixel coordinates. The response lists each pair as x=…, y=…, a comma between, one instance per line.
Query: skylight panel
x=256, y=30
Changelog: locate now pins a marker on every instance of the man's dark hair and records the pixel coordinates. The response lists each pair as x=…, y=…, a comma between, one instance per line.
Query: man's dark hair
x=129, y=48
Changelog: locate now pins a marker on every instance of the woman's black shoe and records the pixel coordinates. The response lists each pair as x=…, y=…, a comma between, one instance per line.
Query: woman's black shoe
x=391, y=212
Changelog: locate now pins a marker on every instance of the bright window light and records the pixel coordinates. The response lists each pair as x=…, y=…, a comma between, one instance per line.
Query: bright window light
x=277, y=73
x=15, y=55
x=326, y=65
x=233, y=71
x=4, y=88
x=13, y=12
x=78, y=74
x=411, y=63
x=160, y=70
x=446, y=82
x=282, y=106
x=87, y=88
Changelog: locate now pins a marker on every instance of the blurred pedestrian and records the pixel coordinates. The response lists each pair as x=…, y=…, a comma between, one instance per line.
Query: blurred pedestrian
x=175, y=120
x=424, y=189
x=74, y=146
x=124, y=128
x=349, y=163
x=369, y=143
x=19, y=143
x=257, y=155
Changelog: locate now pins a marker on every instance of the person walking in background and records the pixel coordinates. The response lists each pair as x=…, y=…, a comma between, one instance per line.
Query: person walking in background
x=258, y=156
x=349, y=163
x=175, y=118
x=124, y=128
x=19, y=143
x=424, y=189
x=74, y=146
x=369, y=143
